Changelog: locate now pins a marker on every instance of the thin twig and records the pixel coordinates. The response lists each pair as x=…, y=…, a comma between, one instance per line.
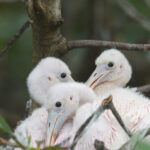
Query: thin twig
x=132, y=12
x=28, y=108
x=89, y=121
x=6, y=142
x=15, y=38
x=144, y=88
x=18, y=143
x=107, y=44
x=116, y=114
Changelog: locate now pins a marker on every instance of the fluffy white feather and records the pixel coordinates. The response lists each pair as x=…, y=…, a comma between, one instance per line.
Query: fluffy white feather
x=48, y=72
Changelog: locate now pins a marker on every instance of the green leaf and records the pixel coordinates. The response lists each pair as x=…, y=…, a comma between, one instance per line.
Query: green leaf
x=54, y=148
x=142, y=145
x=4, y=126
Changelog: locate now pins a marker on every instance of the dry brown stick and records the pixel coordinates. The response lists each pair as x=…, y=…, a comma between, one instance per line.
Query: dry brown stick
x=18, y=142
x=131, y=11
x=116, y=114
x=107, y=44
x=15, y=38
x=6, y=142
x=144, y=88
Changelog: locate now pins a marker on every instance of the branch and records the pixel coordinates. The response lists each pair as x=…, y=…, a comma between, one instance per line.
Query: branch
x=89, y=121
x=18, y=143
x=133, y=13
x=28, y=108
x=116, y=114
x=15, y=38
x=107, y=44
x=7, y=143
x=9, y=1
x=148, y=3
x=144, y=88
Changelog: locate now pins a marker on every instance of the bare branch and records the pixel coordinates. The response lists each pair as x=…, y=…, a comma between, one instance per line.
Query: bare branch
x=7, y=143
x=116, y=114
x=89, y=121
x=10, y=1
x=15, y=38
x=133, y=13
x=107, y=44
x=144, y=88
x=148, y=3
x=28, y=108
x=18, y=143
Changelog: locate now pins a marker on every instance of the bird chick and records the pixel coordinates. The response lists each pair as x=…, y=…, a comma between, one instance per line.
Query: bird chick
x=35, y=125
x=65, y=116
x=62, y=102
x=112, y=70
x=48, y=72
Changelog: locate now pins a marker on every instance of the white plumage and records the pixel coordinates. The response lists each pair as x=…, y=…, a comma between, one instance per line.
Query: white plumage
x=112, y=73
x=33, y=127
x=48, y=72
x=65, y=119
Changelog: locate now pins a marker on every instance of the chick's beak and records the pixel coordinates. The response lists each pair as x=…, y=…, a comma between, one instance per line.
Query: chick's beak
x=99, y=76
x=54, y=124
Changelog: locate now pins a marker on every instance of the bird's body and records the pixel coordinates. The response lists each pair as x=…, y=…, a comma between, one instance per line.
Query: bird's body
x=35, y=125
x=78, y=102
x=104, y=129
x=48, y=72
x=133, y=107
x=33, y=128
x=112, y=73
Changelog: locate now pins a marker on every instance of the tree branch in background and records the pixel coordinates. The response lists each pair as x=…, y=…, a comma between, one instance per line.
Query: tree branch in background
x=148, y=3
x=144, y=88
x=46, y=28
x=107, y=44
x=15, y=38
x=133, y=13
x=10, y=1
x=7, y=143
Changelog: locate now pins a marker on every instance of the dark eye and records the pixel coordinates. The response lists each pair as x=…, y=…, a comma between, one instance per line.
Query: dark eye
x=63, y=75
x=58, y=104
x=110, y=64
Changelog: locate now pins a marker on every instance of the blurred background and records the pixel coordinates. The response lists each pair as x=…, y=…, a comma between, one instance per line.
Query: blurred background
x=84, y=19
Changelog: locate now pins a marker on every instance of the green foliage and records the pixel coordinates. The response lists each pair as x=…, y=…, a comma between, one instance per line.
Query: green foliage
x=4, y=126
x=142, y=146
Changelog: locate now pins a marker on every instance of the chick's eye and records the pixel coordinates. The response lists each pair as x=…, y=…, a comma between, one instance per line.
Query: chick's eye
x=58, y=104
x=110, y=64
x=63, y=75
